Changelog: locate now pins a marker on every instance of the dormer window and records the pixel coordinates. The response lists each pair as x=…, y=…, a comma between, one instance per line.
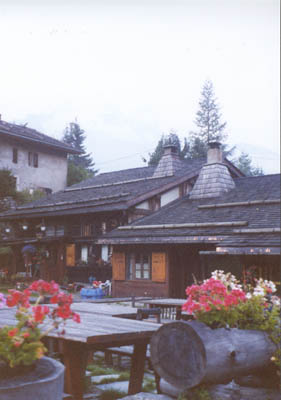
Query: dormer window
x=15, y=155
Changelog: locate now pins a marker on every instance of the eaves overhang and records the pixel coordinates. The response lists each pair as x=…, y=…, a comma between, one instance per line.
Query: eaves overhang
x=86, y=209
x=28, y=139
x=210, y=239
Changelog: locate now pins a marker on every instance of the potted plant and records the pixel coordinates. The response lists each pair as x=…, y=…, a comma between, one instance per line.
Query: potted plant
x=24, y=372
x=222, y=302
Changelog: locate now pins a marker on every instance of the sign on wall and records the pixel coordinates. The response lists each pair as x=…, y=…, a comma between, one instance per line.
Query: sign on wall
x=118, y=266
x=159, y=267
x=70, y=255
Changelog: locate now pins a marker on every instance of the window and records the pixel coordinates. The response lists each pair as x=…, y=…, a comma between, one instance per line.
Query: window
x=15, y=155
x=35, y=160
x=86, y=230
x=30, y=159
x=138, y=266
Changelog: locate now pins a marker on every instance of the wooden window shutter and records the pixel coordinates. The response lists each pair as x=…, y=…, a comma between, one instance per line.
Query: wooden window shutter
x=158, y=263
x=70, y=255
x=118, y=266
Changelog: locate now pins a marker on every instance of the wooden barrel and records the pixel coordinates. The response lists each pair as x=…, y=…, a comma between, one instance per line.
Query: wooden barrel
x=189, y=353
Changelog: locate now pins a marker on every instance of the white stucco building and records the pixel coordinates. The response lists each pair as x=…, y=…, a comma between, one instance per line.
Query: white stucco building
x=37, y=161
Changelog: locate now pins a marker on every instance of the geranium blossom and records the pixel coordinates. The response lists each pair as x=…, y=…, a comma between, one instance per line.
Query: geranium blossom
x=223, y=291
x=34, y=322
x=212, y=294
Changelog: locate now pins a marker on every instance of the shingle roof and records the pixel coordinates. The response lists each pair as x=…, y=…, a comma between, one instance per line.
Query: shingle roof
x=254, y=205
x=107, y=191
x=31, y=135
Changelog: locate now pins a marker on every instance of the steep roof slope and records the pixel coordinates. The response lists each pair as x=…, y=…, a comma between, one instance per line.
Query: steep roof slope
x=108, y=191
x=32, y=136
x=253, y=206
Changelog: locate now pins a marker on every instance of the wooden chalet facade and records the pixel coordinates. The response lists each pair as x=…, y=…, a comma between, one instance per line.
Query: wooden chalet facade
x=224, y=222
x=66, y=226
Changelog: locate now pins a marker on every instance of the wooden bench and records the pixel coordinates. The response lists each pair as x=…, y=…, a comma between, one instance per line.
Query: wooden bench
x=144, y=313
x=123, y=351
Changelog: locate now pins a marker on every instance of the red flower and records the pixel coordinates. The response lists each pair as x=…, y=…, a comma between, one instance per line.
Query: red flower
x=16, y=298
x=13, y=332
x=40, y=312
x=44, y=287
x=64, y=311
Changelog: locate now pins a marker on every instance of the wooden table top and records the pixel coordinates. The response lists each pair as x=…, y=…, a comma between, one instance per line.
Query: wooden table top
x=95, y=328
x=165, y=302
x=105, y=309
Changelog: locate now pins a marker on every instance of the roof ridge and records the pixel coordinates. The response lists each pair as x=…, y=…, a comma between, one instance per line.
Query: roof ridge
x=123, y=170
x=258, y=176
x=114, y=183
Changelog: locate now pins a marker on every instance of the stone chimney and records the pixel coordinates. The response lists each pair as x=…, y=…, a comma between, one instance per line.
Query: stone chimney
x=169, y=162
x=214, y=177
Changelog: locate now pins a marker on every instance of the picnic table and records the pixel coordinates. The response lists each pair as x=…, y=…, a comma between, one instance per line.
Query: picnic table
x=110, y=309
x=96, y=332
x=168, y=306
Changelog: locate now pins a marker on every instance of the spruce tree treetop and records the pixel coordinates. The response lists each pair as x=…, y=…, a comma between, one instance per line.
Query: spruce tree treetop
x=208, y=122
x=208, y=117
x=75, y=136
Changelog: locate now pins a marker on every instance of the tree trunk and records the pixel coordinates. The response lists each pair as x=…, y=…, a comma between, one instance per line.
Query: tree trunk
x=187, y=354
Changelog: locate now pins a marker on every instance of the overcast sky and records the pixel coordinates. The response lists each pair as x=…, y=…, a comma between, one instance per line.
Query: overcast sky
x=132, y=70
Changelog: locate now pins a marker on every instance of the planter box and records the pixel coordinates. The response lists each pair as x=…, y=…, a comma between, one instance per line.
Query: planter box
x=44, y=382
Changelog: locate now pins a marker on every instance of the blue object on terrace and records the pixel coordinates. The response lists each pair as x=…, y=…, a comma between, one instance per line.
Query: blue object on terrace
x=91, y=293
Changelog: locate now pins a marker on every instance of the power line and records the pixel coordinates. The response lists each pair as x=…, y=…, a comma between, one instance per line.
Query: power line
x=125, y=157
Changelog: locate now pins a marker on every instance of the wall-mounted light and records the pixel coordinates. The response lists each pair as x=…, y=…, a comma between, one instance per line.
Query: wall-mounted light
x=42, y=226
x=24, y=226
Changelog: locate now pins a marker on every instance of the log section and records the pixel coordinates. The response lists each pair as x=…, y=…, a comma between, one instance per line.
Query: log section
x=186, y=354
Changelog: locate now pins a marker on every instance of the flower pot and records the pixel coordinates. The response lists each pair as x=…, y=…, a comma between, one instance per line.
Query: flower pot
x=44, y=382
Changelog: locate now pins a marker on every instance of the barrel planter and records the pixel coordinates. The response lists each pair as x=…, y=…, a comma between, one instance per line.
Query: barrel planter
x=187, y=354
x=43, y=382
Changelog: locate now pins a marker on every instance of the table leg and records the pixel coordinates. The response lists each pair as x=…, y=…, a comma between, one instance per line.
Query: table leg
x=137, y=368
x=75, y=361
x=178, y=313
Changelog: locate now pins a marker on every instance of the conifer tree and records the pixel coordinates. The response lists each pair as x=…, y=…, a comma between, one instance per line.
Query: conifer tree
x=244, y=163
x=80, y=166
x=208, y=117
x=171, y=138
x=75, y=136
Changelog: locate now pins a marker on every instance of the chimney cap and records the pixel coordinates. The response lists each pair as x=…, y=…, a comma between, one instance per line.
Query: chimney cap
x=214, y=145
x=173, y=147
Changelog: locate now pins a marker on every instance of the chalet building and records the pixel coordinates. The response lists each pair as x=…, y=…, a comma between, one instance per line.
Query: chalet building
x=69, y=223
x=33, y=158
x=223, y=222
